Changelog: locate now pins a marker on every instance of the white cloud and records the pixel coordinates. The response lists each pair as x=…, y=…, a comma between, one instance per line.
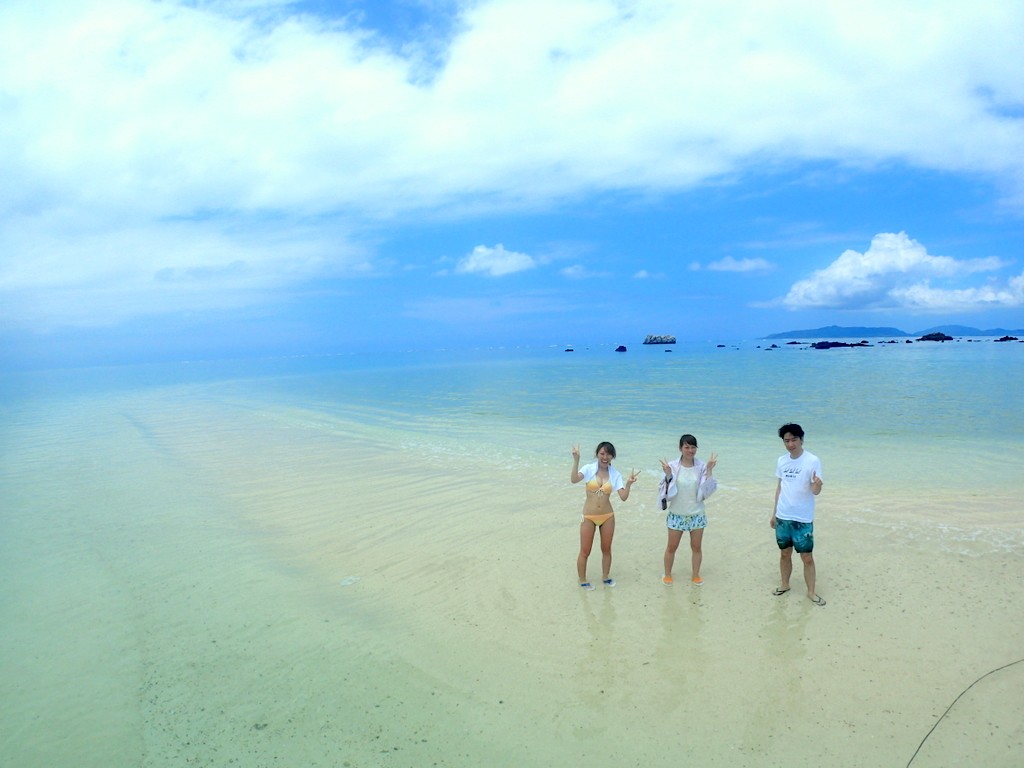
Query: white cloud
x=152, y=118
x=70, y=273
x=582, y=272
x=896, y=272
x=927, y=299
x=575, y=272
x=495, y=261
x=729, y=264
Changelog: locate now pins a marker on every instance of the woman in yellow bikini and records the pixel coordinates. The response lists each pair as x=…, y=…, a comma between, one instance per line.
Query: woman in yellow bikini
x=602, y=480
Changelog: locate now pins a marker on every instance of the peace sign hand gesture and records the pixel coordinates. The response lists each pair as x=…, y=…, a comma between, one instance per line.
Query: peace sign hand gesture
x=711, y=462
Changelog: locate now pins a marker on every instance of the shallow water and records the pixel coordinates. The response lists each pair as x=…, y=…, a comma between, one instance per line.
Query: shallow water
x=350, y=564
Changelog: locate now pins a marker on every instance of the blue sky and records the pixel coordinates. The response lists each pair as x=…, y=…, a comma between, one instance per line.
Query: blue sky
x=258, y=177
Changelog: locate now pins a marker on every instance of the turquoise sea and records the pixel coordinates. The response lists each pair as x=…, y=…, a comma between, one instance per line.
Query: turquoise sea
x=924, y=408
x=363, y=560
x=895, y=393
x=909, y=384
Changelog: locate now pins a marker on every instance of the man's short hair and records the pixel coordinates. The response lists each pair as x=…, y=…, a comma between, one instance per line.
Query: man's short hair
x=794, y=429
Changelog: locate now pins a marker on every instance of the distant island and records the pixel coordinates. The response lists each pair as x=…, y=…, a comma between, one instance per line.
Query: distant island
x=864, y=332
x=651, y=339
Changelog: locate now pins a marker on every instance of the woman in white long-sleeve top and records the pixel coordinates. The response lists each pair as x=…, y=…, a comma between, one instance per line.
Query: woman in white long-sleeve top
x=684, y=486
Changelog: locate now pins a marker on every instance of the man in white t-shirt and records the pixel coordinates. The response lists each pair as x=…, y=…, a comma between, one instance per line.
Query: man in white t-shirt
x=799, y=475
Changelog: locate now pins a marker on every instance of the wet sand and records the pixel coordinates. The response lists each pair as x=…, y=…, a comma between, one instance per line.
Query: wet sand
x=191, y=582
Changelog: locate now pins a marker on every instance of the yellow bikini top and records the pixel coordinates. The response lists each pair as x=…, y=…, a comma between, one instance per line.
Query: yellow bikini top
x=595, y=486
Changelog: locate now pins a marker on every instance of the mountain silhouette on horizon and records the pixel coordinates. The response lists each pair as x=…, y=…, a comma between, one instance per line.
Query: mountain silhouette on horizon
x=858, y=331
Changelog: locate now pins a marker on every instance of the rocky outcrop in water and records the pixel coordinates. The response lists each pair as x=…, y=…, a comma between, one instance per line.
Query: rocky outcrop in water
x=834, y=344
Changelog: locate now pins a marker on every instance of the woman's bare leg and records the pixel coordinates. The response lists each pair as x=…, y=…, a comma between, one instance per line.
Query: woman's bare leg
x=674, y=538
x=696, y=555
x=607, y=532
x=587, y=529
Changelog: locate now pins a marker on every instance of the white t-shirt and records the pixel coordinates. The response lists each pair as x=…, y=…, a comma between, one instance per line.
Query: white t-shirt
x=686, y=501
x=796, y=501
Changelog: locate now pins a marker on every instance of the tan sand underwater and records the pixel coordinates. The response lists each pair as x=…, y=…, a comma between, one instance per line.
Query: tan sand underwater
x=190, y=579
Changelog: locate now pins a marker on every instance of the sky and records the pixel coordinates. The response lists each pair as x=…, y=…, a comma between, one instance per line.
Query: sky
x=236, y=178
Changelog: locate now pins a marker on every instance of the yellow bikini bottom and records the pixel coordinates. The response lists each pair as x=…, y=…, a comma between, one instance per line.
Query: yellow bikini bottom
x=599, y=520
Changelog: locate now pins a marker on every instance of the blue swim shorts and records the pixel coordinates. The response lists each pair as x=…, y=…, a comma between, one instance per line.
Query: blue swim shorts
x=686, y=522
x=791, y=533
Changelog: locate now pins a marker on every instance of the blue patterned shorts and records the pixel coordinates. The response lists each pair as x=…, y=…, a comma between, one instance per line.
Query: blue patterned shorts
x=686, y=522
x=791, y=533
